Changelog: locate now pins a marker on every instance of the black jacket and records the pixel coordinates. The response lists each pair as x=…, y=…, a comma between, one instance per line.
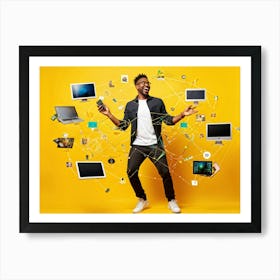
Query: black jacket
x=158, y=114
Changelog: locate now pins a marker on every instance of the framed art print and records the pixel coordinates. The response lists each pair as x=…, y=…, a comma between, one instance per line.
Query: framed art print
x=75, y=161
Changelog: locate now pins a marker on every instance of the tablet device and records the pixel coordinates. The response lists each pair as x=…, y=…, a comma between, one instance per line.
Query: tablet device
x=90, y=169
x=202, y=168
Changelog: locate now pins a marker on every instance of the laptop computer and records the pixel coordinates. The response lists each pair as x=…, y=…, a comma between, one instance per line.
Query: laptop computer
x=67, y=114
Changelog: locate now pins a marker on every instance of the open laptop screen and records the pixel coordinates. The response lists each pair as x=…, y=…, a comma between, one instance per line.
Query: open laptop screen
x=66, y=112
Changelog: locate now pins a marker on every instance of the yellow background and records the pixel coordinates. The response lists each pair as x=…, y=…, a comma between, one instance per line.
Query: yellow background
x=61, y=191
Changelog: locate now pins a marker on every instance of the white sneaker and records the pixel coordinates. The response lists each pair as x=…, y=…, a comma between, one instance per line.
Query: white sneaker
x=141, y=205
x=173, y=206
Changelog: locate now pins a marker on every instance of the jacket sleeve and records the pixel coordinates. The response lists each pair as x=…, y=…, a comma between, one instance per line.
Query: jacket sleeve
x=124, y=124
x=166, y=118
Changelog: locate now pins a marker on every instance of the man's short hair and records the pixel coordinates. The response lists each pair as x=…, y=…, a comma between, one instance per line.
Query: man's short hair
x=139, y=77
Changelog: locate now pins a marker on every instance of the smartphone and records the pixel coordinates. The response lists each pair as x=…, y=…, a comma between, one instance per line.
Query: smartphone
x=100, y=103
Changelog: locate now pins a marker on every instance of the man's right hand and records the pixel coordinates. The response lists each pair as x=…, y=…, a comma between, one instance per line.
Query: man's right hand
x=103, y=109
x=106, y=111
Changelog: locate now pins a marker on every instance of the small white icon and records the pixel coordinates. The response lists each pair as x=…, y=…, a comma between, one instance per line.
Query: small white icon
x=194, y=183
x=206, y=155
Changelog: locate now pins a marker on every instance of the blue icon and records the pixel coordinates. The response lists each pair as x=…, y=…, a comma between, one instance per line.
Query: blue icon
x=183, y=125
x=92, y=124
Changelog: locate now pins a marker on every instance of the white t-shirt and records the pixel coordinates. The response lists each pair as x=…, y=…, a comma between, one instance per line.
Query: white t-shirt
x=145, y=135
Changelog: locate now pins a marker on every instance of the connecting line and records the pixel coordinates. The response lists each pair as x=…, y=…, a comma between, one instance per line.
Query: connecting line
x=101, y=185
x=158, y=120
x=108, y=142
x=226, y=152
x=133, y=173
x=160, y=114
x=112, y=147
x=178, y=94
x=217, y=151
x=212, y=94
x=104, y=84
x=72, y=169
x=197, y=146
x=192, y=140
x=170, y=87
x=173, y=174
x=170, y=140
x=162, y=154
x=70, y=160
x=171, y=153
x=112, y=174
x=68, y=156
x=179, y=81
x=149, y=155
x=194, y=82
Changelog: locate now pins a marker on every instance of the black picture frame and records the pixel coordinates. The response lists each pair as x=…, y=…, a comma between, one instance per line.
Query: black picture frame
x=253, y=52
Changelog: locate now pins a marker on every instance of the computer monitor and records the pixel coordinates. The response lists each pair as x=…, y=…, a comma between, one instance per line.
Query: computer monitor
x=90, y=169
x=218, y=132
x=83, y=91
x=195, y=94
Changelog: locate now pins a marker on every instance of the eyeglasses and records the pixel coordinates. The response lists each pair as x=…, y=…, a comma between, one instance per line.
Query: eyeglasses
x=144, y=83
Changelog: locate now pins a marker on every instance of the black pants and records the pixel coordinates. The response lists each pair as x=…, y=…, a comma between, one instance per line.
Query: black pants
x=157, y=155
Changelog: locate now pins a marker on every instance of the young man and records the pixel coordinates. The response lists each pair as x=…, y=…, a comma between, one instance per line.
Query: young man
x=146, y=114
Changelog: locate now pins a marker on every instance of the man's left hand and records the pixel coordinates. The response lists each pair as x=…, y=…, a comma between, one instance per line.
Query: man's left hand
x=189, y=111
